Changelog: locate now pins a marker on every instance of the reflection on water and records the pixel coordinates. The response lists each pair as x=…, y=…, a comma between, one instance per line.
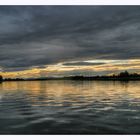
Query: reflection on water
x=70, y=107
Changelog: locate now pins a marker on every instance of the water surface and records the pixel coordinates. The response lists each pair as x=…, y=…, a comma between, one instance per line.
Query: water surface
x=70, y=107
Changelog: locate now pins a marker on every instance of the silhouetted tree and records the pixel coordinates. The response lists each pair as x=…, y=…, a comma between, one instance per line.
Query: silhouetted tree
x=135, y=75
x=1, y=78
x=124, y=74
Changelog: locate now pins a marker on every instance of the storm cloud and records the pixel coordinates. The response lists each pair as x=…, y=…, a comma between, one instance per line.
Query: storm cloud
x=43, y=35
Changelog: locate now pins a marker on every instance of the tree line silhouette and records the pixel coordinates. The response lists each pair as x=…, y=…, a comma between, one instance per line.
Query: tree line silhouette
x=125, y=75
x=121, y=76
x=1, y=78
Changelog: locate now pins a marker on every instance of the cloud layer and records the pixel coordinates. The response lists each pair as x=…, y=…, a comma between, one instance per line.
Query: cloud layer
x=44, y=35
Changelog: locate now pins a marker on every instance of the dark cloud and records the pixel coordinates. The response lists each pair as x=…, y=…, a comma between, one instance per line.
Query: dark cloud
x=40, y=35
x=82, y=64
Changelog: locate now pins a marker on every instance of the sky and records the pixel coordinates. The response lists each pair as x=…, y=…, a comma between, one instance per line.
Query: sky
x=41, y=41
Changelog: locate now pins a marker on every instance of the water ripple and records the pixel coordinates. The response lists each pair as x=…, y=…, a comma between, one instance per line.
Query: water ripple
x=72, y=107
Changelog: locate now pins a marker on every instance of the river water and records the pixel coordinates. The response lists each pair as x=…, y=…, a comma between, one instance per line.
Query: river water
x=70, y=107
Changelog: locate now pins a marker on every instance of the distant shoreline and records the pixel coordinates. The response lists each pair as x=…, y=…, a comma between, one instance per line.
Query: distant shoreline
x=77, y=79
x=123, y=76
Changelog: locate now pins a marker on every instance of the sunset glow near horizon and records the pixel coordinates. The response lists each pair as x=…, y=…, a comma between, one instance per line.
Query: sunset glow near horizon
x=47, y=41
x=86, y=68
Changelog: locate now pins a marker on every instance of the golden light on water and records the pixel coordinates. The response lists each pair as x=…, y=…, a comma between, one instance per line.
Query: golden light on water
x=93, y=90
